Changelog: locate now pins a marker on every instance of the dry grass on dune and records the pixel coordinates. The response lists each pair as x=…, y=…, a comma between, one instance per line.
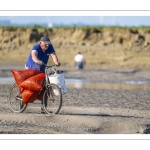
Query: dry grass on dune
x=102, y=47
x=96, y=56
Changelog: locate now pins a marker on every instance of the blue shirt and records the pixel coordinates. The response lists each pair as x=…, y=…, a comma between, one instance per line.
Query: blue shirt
x=43, y=56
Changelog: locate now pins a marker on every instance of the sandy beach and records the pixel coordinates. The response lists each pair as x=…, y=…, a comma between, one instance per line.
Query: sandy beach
x=98, y=102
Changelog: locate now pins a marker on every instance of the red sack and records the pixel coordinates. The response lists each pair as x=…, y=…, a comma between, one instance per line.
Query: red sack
x=34, y=83
x=40, y=96
x=30, y=83
x=21, y=75
x=29, y=96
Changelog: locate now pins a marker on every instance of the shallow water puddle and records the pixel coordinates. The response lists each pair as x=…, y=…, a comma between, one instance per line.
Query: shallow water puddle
x=80, y=83
x=143, y=74
x=127, y=85
x=113, y=86
x=7, y=80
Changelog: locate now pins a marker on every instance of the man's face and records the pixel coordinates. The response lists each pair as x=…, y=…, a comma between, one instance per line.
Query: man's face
x=44, y=46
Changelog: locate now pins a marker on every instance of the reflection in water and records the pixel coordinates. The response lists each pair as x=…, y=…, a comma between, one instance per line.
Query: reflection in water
x=80, y=83
x=77, y=83
x=128, y=85
x=7, y=80
x=143, y=74
x=113, y=86
x=136, y=82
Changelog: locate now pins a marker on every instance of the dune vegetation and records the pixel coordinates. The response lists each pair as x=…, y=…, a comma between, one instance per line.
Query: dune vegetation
x=103, y=47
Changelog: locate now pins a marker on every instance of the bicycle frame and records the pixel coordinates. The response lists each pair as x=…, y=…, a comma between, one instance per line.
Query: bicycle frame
x=47, y=67
x=46, y=82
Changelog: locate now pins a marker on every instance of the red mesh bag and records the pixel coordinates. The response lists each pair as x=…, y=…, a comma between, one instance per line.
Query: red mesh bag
x=20, y=89
x=21, y=75
x=34, y=83
x=29, y=96
x=30, y=83
x=40, y=96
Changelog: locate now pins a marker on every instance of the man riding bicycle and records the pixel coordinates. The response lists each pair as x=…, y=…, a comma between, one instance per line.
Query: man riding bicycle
x=39, y=55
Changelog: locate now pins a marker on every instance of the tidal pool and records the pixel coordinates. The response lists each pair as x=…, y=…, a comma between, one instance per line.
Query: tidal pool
x=129, y=85
x=82, y=83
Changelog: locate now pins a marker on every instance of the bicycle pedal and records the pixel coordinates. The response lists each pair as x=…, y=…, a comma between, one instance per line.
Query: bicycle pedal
x=18, y=98
x=52, y=100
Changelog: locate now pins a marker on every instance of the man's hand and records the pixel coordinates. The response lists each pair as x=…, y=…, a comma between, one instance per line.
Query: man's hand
x=40, y=62
x=58, y=64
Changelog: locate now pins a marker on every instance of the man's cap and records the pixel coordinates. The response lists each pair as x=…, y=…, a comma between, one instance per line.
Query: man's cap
x=45, y=39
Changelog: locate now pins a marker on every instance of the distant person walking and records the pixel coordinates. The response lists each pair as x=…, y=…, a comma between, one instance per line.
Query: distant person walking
x=79, y=61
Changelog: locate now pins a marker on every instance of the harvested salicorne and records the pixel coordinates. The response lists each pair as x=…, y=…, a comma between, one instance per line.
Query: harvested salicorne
x=34, y=83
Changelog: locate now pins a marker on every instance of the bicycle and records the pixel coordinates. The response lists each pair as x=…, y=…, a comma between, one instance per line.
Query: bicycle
x=51, y=101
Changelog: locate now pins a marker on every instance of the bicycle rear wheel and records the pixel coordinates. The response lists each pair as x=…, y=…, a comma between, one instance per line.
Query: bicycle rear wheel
x=52, y=99
x=15, y=100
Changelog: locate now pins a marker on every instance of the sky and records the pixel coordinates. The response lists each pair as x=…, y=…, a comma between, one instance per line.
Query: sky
x=108, y=12
x=88, y=20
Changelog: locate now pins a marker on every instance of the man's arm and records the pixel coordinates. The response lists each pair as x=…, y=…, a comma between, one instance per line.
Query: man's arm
x=55, y=59
x=35, y=58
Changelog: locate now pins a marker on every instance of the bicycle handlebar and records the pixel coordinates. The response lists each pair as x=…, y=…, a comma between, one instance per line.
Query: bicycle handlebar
x=52, y=66
x=49, y=66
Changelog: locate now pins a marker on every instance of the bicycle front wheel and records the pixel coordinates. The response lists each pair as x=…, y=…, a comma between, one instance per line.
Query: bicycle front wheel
x=52, y=99
x=15, y=100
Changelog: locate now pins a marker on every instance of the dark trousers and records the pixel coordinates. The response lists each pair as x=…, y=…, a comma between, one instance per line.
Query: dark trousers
x=79, y=65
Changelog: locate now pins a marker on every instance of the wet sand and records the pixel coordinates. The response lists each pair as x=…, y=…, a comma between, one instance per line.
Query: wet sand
x=106, y=102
